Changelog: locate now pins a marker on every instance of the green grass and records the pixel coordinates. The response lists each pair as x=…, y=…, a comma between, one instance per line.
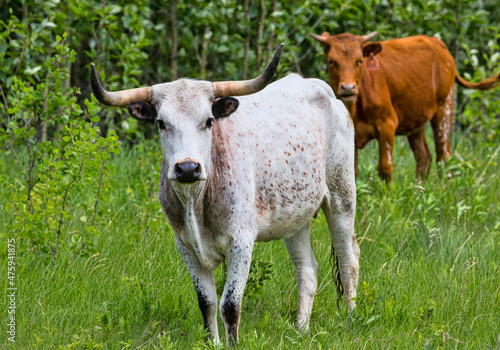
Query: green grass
x=429, y=273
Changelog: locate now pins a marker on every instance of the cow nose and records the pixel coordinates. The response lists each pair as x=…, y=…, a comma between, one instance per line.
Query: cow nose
x=187, y=171
x=348, y=89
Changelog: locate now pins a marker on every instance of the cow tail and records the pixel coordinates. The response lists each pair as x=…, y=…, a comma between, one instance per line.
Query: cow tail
x=486, y=84
x=334, y=260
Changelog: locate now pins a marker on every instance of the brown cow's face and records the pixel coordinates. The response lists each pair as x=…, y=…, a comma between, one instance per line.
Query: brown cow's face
x=345, y=54
x=345, y=63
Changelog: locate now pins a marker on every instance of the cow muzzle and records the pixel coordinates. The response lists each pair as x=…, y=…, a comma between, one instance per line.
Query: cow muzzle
x=187, y=171
x=347, y=92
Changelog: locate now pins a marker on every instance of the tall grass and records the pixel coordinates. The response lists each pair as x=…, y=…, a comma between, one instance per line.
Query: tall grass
x=429, y=267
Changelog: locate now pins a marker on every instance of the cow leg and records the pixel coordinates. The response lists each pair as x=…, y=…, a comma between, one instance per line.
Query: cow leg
x=306, y=266
x=238, y=267
x=204, y=284
x=364, y=134
x=339, y=212
x=386, y=136
x=441, y=125
x=421, y=151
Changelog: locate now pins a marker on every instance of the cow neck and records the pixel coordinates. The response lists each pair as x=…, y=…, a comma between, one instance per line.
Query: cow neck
x=194, y=233
x=220, y=174
x=219, y=157
x=351, y=107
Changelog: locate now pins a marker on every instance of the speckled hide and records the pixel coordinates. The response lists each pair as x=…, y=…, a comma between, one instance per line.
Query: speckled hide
x=266, y=169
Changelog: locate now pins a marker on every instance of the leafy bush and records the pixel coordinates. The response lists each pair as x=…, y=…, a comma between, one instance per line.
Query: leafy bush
x=73, y=161
x=480, y=110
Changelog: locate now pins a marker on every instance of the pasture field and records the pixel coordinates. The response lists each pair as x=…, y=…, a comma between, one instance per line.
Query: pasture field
x=429, y=267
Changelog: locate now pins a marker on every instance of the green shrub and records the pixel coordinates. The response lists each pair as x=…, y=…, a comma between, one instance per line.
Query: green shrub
x=73, y=161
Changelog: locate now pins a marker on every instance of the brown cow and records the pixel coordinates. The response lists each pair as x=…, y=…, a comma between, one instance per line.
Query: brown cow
x=395, y=87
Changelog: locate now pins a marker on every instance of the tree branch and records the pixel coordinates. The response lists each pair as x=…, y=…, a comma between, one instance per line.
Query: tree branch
x=173, y=55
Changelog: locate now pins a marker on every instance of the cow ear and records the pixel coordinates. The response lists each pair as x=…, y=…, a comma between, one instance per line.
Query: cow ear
x=223, y=107
x=142, y=110
x=370, y=48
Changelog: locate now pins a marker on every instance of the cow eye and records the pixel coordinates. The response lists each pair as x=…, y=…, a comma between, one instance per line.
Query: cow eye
x=209, y=122
x=161, y=124
x=359, y=62
x=332, y=62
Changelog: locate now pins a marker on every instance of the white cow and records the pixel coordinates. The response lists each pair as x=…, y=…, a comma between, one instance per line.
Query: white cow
x=255, y=169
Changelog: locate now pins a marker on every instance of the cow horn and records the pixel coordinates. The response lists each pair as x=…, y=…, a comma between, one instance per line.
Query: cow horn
x=369, y=36
x=322, y=39
x=118, y=98
x=247, y=87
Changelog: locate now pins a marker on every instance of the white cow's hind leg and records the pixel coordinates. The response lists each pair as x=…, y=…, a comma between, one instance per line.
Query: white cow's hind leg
x=339, y=215
x=204, y=284
x=306, y=266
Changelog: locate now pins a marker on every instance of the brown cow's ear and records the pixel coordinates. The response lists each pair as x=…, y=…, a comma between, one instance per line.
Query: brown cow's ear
x=370, y=48
x=223, y=107
x=142, y=110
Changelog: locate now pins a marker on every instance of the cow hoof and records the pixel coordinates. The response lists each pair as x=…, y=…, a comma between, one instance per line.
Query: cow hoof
x=387, y=177
x=302, y=326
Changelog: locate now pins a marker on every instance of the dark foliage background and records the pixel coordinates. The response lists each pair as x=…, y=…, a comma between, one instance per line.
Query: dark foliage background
x=137, y=43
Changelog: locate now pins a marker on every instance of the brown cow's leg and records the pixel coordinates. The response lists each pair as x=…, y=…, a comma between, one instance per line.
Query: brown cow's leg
x=364, y=133
x=387, y=133
x=441, y=125
x=421, y=151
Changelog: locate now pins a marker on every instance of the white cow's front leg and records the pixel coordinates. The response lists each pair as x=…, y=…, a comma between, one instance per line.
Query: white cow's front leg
x=306, y=266
x=204, y=284
x=238, y=266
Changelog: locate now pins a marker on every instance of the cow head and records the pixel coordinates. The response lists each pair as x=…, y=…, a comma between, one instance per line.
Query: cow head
x=185, y=111
x=345, y=61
